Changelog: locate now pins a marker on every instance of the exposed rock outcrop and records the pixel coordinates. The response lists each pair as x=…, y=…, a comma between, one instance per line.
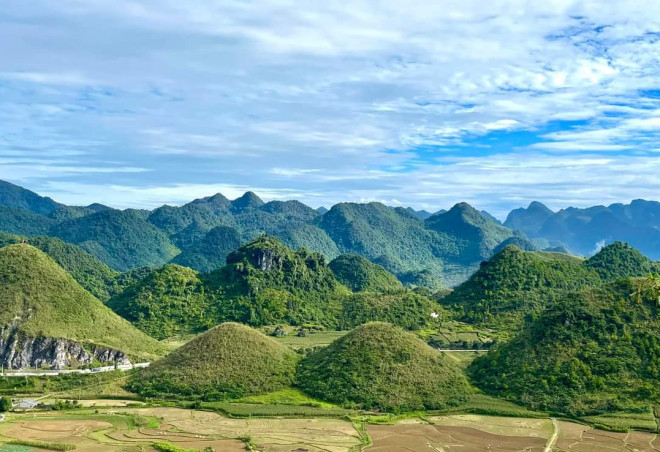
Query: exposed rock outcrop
x=19, y=351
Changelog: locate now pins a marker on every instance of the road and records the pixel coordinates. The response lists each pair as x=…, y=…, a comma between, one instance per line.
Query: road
x=54, y=373
x=458, y=350
x=553, y=438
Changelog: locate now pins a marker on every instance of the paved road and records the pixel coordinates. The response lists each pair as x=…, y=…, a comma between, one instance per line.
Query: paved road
x=553, y=438
x=54, y=373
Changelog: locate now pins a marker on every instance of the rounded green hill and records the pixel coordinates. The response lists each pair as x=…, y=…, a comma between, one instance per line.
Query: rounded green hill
x=380, y=366
x=230, y=360
x=359, y=274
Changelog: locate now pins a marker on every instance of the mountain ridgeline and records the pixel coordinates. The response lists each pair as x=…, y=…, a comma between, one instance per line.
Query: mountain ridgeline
x=585, y=231
x=419, y=248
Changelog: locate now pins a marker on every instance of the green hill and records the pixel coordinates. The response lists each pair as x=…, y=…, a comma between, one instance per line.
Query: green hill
x=263, y=283
x=168, y=301
x=529, y=220
x=585, y=230
x=594, y=350
x=406, y=309
x=515, y=284
x=230, y=360
x=620, y=260
x=379, y=366
x=38, y=299
x=359, y=274
x=267, y=283
x=86, y=269
x=521, y=242
x=19, y=198
x=122, y=239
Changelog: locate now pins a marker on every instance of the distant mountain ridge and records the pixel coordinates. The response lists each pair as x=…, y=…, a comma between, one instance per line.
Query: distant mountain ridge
x=587, y=230
x=440, y=249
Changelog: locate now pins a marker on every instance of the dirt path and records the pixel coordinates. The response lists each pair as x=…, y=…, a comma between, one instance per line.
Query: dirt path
x=553, y=438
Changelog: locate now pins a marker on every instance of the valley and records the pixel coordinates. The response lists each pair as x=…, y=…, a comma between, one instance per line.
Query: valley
x=240, y=338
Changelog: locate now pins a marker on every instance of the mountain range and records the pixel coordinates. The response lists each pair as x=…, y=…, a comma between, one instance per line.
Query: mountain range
x=418, y=247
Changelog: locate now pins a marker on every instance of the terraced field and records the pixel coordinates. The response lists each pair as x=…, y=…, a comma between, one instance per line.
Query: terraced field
x=582, y=438
x=466, y=433
x=136, y=429
x=139, y=429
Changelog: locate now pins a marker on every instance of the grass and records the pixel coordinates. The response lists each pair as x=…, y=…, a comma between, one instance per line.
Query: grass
x=312, y=340
x=14, y=448
x=42, y=444
x=491, y=406
x=231, y=409
x=60, y=307
x=169, y=447
x=103, y=384
x=288, y=396
x=177, y=341
x=623, y=421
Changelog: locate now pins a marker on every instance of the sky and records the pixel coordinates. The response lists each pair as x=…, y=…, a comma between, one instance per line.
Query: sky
x=137, y=103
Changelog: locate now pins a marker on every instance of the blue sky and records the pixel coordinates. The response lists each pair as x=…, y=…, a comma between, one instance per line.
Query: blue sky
x=138, y=103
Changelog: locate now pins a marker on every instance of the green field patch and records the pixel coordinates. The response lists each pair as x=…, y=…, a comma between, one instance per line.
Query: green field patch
x=14, y=448
x=487, y=405
x=311, y=340
x=272, y=410
x=41, y=445
x=622, y=421
x=287, y=396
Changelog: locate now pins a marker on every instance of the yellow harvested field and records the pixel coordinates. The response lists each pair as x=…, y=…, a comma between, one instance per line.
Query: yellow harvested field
x=138, y=429
x=465, y=433
x=582, y=438
x=115, y=429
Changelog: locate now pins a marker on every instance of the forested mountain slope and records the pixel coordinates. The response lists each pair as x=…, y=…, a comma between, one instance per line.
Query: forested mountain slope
x=594, y=350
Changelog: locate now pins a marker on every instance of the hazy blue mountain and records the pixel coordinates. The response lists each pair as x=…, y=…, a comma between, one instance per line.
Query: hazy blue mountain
x=486, y=214
x=528, y=220
x=588, y=230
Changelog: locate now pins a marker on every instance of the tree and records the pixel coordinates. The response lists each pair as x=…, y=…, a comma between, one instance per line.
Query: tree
x=5, y=404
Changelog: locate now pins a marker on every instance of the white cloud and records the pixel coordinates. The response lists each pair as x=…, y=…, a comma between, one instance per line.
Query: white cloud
x=335, y=101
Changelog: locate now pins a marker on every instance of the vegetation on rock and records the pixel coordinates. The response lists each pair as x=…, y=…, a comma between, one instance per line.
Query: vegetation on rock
x=39, y=299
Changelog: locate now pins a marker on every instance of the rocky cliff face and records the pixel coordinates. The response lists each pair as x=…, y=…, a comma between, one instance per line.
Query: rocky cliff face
x=19, y=351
